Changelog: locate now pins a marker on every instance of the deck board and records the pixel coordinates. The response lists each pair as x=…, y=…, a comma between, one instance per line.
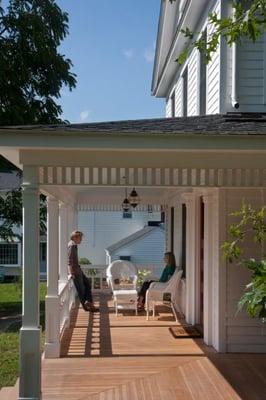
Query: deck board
x=105, y=357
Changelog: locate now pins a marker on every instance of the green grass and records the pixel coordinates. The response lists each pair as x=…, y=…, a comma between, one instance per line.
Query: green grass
x=10, y=302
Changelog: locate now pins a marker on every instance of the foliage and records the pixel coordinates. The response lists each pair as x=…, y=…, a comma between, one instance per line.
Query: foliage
x=10, y=298
x=11, y=214
x=32, y=70
x=142, y=274
x=84, y=261
x=252, y=223
x=248, y=20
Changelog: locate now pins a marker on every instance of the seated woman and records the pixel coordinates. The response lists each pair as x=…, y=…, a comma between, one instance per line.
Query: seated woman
x=169, y=269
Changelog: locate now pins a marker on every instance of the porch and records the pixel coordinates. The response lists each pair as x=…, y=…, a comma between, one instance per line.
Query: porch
x=129, y=358
x=203, y=166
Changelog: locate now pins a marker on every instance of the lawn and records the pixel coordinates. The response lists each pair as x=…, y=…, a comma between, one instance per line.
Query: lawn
x=10, y=302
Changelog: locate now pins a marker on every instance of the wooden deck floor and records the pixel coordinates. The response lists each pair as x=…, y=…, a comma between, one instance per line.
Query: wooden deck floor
x=105, y=357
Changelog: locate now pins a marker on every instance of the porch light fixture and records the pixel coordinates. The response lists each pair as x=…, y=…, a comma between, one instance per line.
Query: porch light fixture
x=126, y=204
x=134, y=199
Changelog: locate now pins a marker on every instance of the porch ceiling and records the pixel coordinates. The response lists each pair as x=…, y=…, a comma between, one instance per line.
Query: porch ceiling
x=84, y=196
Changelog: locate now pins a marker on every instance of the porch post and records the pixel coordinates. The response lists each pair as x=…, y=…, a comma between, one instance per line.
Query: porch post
x=63, y=240
x=30, y=352
x=208, y=270
x=191, y=256
x=52, y=306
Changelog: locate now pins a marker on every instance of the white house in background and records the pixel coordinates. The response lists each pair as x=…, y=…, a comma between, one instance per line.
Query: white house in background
x=232, y=84
x=11, y=251
x=144, y=248
x=103, y=226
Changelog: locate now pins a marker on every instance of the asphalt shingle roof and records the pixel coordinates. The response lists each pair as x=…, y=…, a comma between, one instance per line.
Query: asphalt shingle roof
x=219, y=124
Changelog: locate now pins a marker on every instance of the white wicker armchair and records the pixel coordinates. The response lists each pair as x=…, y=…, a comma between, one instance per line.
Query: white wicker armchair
x=156, y=292
x=122, y=278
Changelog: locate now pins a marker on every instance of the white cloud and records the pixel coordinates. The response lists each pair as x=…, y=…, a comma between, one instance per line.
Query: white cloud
x=84, y=116
x=150, y=53
x=128, y=53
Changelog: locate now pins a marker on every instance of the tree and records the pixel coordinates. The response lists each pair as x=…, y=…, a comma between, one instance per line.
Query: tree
x=11, y=214
x=32, y=70
x=252, y=223
x=248, y=20
x=32, y=75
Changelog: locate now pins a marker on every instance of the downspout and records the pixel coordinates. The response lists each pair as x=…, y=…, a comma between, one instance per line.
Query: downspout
x=234, y=100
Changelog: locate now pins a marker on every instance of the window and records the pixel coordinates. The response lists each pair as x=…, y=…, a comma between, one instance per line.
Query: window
x=202, y=76
x=173, y=104
x=43, y=251
x=184, y=234
x=127, y=214
x=9, y=253
x=185, y=84
x=172, y=229
x=125, y=258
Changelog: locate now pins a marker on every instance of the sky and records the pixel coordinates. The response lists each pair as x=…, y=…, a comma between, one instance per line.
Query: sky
x=111, y=44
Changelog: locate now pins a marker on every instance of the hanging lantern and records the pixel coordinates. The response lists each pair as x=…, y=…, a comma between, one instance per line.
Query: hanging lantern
x=134, y=199
x=126, y=204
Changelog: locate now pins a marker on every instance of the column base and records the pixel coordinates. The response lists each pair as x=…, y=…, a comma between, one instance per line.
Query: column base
x=52, y=334
x=30, y=364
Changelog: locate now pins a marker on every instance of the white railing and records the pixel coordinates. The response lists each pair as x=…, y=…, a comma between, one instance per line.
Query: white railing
x=67, y=299
x=97, y=273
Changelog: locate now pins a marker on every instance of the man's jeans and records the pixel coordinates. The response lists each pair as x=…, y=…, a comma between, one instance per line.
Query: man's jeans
x=83, y=287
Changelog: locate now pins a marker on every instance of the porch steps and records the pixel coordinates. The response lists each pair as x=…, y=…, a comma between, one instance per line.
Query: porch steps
x=9, y=392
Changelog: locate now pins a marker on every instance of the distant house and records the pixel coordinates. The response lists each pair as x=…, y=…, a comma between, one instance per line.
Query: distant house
x=144, y=247
x=109, y=225
x=11, y=251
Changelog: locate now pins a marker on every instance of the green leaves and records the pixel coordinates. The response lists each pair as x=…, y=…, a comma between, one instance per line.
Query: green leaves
x=248, y=20
x=251, y=223
x=32, y=70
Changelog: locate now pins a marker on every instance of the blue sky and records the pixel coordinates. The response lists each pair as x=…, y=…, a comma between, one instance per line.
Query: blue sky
x=111, y=44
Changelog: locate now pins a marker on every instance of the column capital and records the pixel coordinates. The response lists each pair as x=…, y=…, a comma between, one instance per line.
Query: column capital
x=208, y=199
x=188, y=197
x=51, y=199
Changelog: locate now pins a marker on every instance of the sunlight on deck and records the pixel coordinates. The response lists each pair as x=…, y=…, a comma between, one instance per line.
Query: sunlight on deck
x=104, y=357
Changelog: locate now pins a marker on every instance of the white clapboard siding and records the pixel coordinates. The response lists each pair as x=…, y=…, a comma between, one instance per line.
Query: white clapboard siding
x=168, y=109
x=250, y=67
x=103, y=228
x=243, y=332
x=179, y=98
x=213, y=74
x=193, y=86
x=148, y=249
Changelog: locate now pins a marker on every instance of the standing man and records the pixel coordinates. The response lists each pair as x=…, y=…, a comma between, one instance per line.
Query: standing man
x=81, y=282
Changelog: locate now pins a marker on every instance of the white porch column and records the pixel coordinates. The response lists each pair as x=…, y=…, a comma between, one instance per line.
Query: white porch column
x=208, y=269
x=52, y=306
x=30, y=352
x=192, y=258
x=63, y=240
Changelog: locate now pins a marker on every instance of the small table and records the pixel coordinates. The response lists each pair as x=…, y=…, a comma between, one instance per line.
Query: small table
x=125, y=299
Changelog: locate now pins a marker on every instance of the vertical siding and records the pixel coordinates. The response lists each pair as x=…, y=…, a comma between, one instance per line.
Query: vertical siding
x=193, y=86
x=103, y=228
x=179, y=98
x=149, y=249
x=242, y=332
x=213, y=75
x=250, y=66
